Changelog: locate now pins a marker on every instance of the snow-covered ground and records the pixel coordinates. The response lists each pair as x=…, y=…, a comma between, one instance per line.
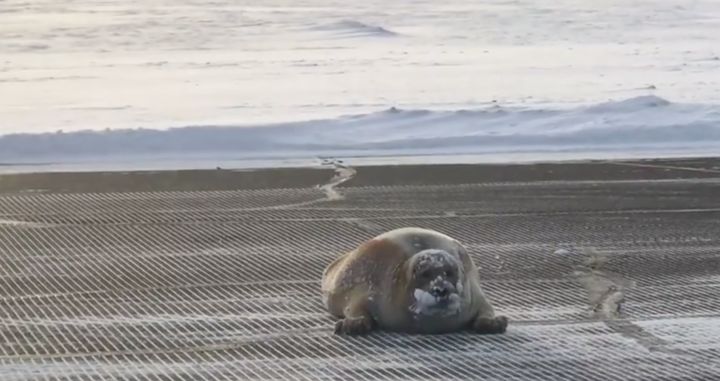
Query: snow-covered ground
x=496, y=80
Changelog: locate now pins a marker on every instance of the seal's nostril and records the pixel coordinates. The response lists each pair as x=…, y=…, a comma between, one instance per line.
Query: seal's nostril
x=440, y=292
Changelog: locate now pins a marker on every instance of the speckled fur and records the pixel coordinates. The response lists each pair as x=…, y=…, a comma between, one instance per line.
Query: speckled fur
x=371, y=286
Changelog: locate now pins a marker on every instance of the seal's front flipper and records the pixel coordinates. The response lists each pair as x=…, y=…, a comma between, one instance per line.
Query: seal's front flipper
x=353, y=326
x=490, y=325
x=357, y=320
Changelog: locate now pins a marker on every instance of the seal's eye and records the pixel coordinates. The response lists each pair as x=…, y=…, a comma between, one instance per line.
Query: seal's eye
x=426, y=274
x=449, y=274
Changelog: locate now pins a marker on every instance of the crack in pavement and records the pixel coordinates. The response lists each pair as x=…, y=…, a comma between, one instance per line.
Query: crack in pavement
x=343, y=173
x=605, y=290
x=660, y=166
x=606, y=295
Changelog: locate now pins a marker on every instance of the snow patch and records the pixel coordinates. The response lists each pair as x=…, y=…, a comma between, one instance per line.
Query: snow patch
x=353, y=28
x=342, y=174
x=433, y=258
x=18, y=223
x=460, y=80
x=426, y=304
x=423, y=299
x=636, y=124
x=631, y=105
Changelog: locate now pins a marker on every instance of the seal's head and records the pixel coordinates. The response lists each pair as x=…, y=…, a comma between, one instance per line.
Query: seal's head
x=436, y=283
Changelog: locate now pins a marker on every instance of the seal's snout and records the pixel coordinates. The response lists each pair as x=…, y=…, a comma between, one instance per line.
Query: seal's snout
x=440, y=291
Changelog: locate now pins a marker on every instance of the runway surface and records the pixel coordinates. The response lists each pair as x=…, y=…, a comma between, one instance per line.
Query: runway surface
x=607, y=270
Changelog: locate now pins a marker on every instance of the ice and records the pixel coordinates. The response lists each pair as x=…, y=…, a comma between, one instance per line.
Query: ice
x=423, y=300
x=312, y=77
x=426, y=304
x=647, y=124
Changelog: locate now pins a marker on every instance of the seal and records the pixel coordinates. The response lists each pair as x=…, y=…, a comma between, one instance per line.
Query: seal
x=409, y=280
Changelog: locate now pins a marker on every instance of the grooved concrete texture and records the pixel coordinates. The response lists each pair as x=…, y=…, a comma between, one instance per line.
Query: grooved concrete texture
x=608, y=271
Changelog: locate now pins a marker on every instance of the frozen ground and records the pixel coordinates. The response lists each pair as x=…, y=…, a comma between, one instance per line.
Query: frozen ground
x=563, y=79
